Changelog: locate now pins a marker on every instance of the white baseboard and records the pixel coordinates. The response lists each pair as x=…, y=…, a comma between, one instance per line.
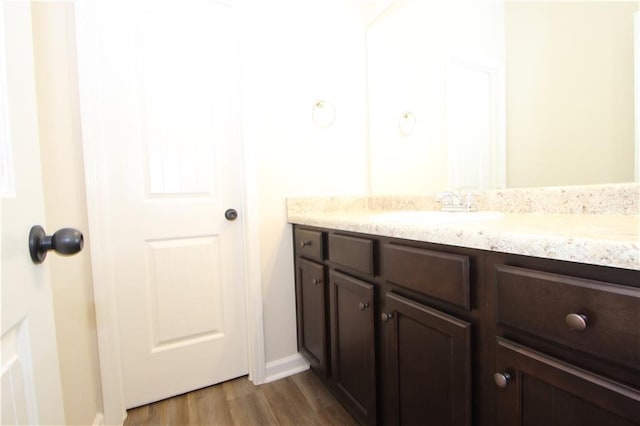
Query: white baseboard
x=99, y=420
x=284, y=367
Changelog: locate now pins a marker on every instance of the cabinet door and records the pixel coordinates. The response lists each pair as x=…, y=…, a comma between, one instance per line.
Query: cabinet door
x=429, y=362
x=539, y=390
x=310, y=298
x=353, y=345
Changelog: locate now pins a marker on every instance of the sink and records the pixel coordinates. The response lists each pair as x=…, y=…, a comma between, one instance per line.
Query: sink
x=423, y=216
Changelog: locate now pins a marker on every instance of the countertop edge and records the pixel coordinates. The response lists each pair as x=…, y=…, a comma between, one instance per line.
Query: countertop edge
x=607, y=252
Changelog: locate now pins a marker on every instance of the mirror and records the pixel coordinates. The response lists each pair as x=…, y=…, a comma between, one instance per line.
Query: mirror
x=490, y=94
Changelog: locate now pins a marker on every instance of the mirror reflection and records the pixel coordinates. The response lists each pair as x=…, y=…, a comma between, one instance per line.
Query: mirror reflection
x=501, y=94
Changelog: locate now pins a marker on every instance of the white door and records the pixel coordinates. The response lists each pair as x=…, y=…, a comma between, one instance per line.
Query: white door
x=158, y=95
x=31, y=391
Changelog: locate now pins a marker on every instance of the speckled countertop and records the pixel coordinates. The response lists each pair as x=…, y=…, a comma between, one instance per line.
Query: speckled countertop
x=571, y=225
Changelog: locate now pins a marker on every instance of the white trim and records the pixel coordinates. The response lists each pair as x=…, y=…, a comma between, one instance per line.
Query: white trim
x=103, y=285
x=251, y=230
x=285, y=367
x=636, y=104
x=98, y=420
x=497, y=92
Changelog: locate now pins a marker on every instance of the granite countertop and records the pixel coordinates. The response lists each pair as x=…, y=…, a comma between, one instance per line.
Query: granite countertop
x=608, y=239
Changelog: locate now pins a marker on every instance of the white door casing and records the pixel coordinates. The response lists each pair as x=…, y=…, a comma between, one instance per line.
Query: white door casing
x=31, y=387
x=636, y=104
x=158, y=96
x=475, y=123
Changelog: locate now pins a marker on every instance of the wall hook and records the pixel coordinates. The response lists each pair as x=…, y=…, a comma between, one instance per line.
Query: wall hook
x=407, y=123
x=324, y=113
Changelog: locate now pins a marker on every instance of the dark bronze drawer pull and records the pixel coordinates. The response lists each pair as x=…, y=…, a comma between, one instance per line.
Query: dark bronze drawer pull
x=576, y=322
x=386, y=317
x=363, y=305
x=502, y=379
x=316, y=281
x=304, y=244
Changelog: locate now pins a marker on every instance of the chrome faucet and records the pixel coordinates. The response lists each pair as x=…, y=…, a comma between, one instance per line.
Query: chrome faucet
x=451, y=201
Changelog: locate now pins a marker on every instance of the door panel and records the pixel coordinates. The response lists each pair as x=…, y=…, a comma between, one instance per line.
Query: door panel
x=193, y=309
x=541, y=390
x=430, y=361
x=310, y=295
x=162, y=116
x=353, y=345
x=31, y=389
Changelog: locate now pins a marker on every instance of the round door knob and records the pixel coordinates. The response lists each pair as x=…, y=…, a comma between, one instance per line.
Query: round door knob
x=363, y=305
x=316, y=281
x=231, y=214
x=576, y=322
x=386, y=317
x=65, y=241
x=304, y=244
x=502, y=379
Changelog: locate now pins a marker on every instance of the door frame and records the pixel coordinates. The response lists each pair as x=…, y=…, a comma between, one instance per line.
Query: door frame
x=636, y=104
x=101, y=254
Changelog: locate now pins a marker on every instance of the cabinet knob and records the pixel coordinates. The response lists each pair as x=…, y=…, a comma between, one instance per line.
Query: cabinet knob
x=576, y=322
x=363, y=305
x=502, y=379
x=386, y=317
x=304, y=244
x=316, y=281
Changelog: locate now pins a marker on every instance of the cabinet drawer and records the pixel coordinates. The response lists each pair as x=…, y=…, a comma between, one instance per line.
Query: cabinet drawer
x=308, y=243
x=595, y=317
x=352, y=252
x=440, y=275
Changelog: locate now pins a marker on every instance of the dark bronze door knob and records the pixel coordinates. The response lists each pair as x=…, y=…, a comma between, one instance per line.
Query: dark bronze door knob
x=66, y=241
x=231, y=214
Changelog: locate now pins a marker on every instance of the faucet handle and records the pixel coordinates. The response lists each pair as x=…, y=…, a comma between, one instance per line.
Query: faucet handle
x=470, y=202
x=457, y=201
x=445, y=198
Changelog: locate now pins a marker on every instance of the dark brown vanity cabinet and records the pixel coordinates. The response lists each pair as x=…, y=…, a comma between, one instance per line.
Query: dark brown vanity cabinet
x=311, y=303
x=536, y=389
x=406, y=332
x=353, y=357
x=393, y=358
x=311, y=299
x=570, y=347
x=429, y=363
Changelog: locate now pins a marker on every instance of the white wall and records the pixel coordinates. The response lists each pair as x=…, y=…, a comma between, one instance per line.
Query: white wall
x=65, y=204
x=570, y=112
x=411, y=46
x=293, y=53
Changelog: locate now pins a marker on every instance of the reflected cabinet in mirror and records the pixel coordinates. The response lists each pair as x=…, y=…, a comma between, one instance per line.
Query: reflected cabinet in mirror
x=488, y=94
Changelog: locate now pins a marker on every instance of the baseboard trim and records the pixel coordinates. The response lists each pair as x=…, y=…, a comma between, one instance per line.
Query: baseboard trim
x=285, y=367
x=98, y=420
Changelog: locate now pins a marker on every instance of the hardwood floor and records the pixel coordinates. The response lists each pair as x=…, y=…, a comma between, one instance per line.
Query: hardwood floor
x=297, y=400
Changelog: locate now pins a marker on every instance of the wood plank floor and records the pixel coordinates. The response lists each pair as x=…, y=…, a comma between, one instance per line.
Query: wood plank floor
x=297, y=400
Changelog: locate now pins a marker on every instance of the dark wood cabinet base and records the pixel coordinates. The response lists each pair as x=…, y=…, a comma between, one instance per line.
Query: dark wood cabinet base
x=406, y=332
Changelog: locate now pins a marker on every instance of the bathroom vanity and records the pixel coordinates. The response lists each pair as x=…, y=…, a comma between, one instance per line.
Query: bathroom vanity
x=514, y=321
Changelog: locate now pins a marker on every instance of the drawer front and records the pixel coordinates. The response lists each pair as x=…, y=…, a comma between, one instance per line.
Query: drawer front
x=595, y=317
x=440, y=275
x=308, y=243
x=352, y=252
